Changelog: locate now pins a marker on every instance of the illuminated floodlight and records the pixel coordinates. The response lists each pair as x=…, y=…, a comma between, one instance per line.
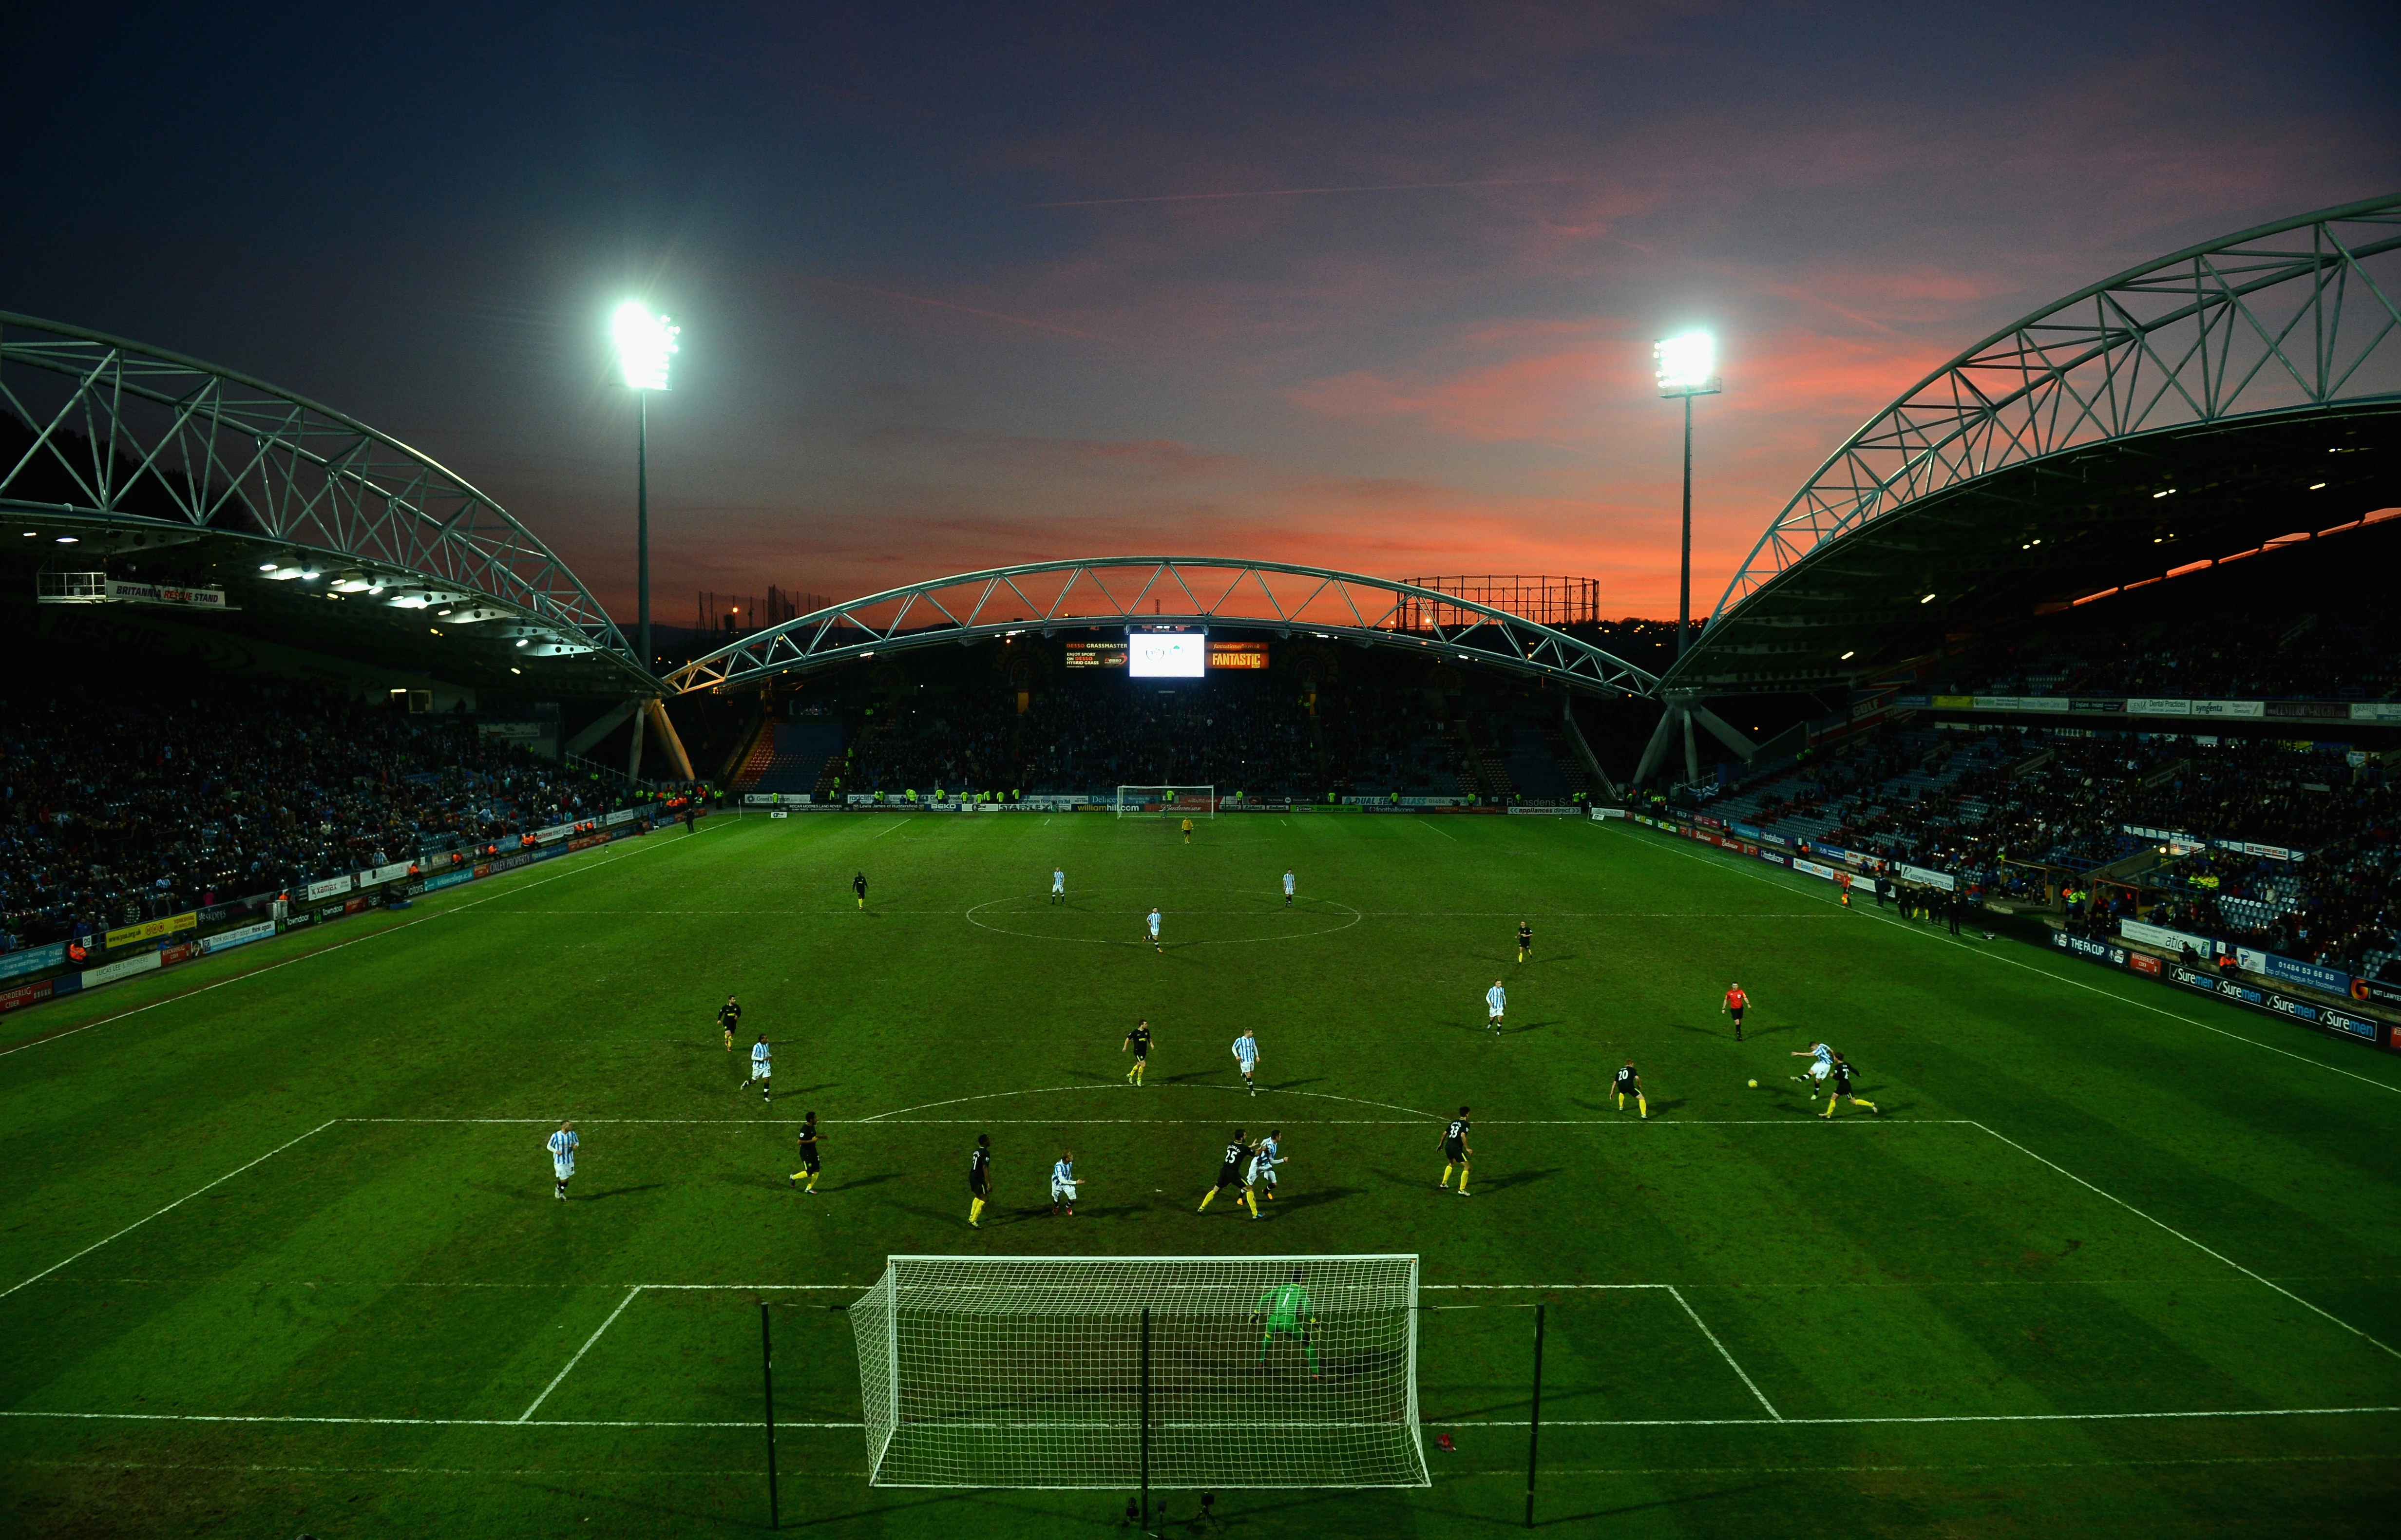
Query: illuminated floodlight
x=1686, y=365
x=645, y=342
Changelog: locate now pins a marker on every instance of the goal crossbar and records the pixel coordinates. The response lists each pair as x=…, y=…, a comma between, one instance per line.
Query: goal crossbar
x=1103, y=1371
x=1167, y=802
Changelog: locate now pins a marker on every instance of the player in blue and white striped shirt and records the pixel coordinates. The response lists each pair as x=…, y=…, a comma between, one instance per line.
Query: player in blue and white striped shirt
x=1265, y=1157
x=562, y=1159
x=1246, y=1055
x=1063, y=1184
x=1495, y=999
x=761, y=1067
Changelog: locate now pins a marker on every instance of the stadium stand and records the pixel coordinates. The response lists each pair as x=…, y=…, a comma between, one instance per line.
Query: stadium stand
x=148, y=798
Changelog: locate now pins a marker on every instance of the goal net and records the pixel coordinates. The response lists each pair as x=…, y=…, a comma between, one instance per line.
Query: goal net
x=1042, y=1371
x=1167, y=802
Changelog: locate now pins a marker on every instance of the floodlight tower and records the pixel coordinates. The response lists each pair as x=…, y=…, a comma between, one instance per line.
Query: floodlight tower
x=1684, y=363
x=1687, y=365
x=645, y=342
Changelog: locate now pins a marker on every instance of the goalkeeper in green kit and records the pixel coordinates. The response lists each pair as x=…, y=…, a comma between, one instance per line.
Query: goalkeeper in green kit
x=1287, y=1313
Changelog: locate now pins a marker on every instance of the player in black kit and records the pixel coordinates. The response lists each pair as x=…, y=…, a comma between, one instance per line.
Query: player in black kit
x=1238, y=1155
x=1630, y=1084
x=858, y=886
x=729, y=1016
x=1525, y=939
x=1455, y=1151
x=978, y=1180
x=1138, y=1041
x=808, y=1154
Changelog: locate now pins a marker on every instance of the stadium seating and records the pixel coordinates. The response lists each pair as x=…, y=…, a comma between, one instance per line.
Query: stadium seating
x=149, y=798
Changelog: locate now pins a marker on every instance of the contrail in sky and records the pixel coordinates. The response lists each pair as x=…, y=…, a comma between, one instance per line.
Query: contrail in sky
x=1303, y=192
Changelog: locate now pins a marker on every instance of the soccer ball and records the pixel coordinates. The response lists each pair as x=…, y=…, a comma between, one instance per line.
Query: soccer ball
x=1754, y=1085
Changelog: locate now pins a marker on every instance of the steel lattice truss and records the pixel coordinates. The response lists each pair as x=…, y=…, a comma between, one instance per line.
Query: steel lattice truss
x=1118, y=591
x=2297, y=314
x=131, y=433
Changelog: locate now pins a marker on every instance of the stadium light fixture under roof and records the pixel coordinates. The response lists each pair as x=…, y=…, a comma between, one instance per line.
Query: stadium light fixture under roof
x=644, y=342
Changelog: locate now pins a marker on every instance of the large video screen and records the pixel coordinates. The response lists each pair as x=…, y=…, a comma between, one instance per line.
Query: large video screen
x=1167, y=654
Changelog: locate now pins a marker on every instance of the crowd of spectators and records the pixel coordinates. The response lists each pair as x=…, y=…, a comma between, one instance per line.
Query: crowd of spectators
x=2030, y=813
x=141, y=799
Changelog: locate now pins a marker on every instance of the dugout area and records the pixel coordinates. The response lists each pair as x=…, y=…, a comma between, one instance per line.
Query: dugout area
x=2100, y=1262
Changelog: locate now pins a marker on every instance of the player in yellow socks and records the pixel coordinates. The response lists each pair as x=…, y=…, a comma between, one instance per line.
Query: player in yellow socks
x=808, y=1154
x=1455, y=1151
x=1842, y=1077
x=1187, y=831
x=978, y=1180
x=1238, y=1156
x=1525, y=939
x=1138, y=1043
x=1630, y=1084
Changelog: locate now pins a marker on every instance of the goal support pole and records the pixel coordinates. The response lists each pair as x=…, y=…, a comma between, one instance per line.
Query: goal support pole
x=767, y=1380
x=1534, y=1425
x=1146, y=1418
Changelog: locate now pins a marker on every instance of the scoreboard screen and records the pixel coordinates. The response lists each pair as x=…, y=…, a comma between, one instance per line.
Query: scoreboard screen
x=1167, y=654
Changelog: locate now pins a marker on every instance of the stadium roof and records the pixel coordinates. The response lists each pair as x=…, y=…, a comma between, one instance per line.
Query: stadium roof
x=162, y=472
x=2224, y=398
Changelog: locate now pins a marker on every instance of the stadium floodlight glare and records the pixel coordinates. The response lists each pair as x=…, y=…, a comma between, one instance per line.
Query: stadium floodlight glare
x=645, y=342
x=1684, y=363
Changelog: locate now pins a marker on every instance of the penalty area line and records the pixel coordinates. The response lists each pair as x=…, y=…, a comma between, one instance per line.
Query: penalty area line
x=1881, y=1422
x=2188, y=1240
x=2044, y=972
x=562, y=1374
x=169, y=1208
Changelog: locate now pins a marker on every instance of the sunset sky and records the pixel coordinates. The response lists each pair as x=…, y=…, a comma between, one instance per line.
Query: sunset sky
x=1372, y=287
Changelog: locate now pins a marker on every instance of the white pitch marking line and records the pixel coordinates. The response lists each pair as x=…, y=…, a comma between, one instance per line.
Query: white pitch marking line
x=177, y=1204
x=2189, y=1241
x=1444, y=832
x=1875, y=1421
x=411, y=1422
x=2060, y=977
x=1475, y=1422
x=1676, y=1294
x=304, y=956
x=554, y=1378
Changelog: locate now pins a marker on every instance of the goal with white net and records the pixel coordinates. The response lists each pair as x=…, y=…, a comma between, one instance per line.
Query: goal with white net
x=1167, y=802
x=1166, y=1371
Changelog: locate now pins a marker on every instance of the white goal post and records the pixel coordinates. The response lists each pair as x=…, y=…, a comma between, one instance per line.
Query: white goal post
x=1118, y=1372
x=1167, y=802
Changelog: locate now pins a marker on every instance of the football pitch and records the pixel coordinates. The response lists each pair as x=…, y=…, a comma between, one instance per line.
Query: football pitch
x=280, y=1251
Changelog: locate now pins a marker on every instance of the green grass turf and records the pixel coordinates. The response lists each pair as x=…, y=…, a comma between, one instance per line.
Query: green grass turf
x=399, y=1253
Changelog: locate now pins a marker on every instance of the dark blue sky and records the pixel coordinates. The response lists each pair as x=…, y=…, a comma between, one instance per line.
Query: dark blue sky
x=970, y=284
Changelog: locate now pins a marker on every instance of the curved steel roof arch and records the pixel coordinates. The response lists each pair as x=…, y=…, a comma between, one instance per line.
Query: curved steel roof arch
x=1048, y=596
x=2291, y=314
x=156, y=439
